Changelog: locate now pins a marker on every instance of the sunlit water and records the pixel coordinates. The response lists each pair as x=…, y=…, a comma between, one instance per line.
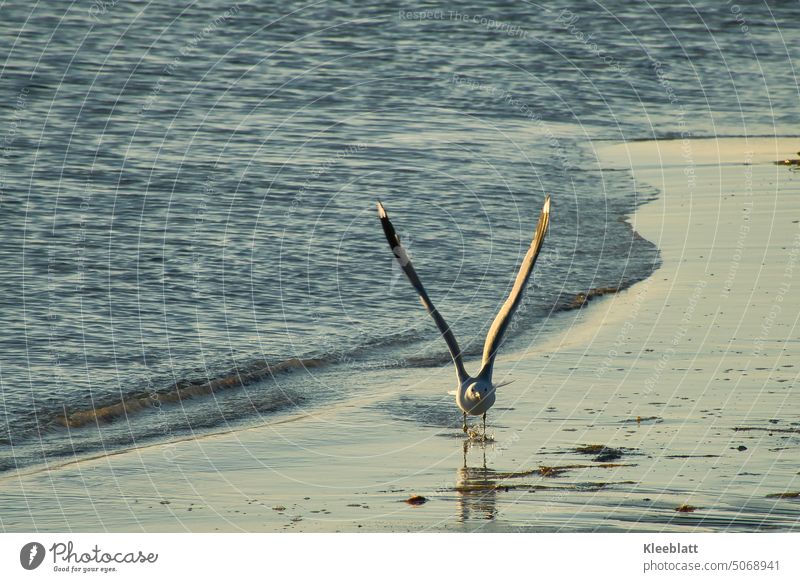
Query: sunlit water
x=188, y=191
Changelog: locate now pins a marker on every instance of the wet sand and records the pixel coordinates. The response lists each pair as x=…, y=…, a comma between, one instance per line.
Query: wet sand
x=670, y=406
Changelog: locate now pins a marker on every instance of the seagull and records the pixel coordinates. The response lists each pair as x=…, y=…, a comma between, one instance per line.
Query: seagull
x=475, y=395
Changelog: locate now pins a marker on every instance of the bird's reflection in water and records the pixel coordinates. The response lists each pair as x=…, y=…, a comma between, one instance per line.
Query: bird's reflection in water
x=475, y=487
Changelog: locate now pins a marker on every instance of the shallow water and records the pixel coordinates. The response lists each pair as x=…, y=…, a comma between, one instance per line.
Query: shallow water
x=188, y=191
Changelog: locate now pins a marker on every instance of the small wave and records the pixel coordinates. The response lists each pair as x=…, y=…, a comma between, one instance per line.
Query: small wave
x=240, y=376
x=580, y=299
x=180, y=391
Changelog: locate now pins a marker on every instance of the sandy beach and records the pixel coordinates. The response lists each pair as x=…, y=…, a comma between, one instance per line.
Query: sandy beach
x=678, y=392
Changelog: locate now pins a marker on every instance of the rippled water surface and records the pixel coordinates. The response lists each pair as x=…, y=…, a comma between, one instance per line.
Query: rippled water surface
x=189, y=190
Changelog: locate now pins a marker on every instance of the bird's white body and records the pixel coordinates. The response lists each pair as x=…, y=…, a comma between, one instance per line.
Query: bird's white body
x=474, y=395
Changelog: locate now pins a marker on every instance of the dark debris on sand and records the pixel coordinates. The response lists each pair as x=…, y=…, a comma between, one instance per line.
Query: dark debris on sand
x=789, y=161
x=604, y=454
x=766, y=429
x=556, y=471
x=581, y=299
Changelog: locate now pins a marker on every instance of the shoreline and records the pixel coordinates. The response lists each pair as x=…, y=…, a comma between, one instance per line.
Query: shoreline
x=656, y=377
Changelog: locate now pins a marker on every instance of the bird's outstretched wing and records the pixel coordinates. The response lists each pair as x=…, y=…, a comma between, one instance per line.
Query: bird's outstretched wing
x=401, y=255
x=503, y=318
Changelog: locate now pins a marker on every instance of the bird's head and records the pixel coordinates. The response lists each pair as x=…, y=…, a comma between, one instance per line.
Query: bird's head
x=480, y=390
